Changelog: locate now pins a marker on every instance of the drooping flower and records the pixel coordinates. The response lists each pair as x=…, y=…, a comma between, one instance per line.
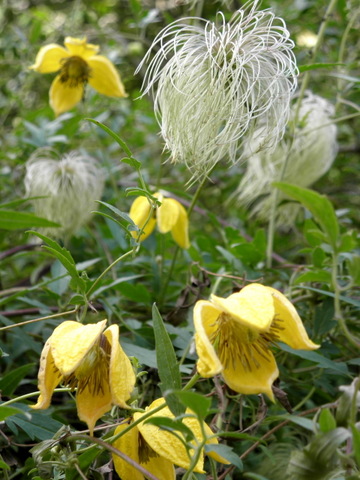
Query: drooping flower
x=310, y=153
x=90, y=359
x=171, y=217
x=233, y=337
x=70, y=186
x=159, y=450
x=213, y=82
x=79, y=64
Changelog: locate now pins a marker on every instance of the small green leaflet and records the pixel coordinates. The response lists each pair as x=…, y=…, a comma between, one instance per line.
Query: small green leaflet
x=13, y=220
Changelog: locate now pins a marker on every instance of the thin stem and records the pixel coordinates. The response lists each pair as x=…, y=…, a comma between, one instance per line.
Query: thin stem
x=102, y=275
x=55, y=315
x=191, y=382
x=32, y=394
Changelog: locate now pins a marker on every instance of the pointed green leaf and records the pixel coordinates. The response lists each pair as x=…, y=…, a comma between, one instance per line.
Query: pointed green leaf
x=168, y=367
x=65, y=257
x=7, y=412
x=13, y=220
x=320, y=207
x=10, y=381
x=113, y=135
x=199, y=404
x=226, y=452
x=327, y=421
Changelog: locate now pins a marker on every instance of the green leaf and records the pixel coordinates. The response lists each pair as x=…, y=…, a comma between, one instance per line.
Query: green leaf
x=320, y=207
x=10, y=381
x=315, y=276
x=4, y=466
x=171, y=424
x=168, y=367
x=113, y=135
x=132, y=162
x=65, y=257
x=37, y=425
x=315, y=357
x=226, y=452
x=356, y=444
x=13, y=220
x=117, y=212
x=8, y=411
x=327, y=421
x=199, y=404
x=316, y=66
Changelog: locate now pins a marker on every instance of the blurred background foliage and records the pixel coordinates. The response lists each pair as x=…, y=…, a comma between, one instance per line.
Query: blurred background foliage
x=227, y=247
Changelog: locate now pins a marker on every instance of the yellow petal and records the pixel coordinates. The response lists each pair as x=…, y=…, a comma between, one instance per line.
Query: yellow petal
x=205, y=315
x=121, y=377
x=180, y=231
x=49, y=58
x=254, y=380
x=64, y=97
x=71, y=341
x=91, y=406
x=253, y=307
x=167, y=445
x=162, y=468
x=79, y=47
x=167, y=214
x=104, y=77
x=48, y=377
x=139, y=214
x=128, y=444
x=293, y=333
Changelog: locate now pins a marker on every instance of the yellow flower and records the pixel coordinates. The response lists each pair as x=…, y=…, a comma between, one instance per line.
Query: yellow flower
x=91, y=359
x=171, y=217
x=158, y=450
x=79, y=64
x=233, y=336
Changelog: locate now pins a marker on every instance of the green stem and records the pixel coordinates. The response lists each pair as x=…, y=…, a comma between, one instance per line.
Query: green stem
x=29, y=395
x=304, y=84
x=191, y=382
x=101, y=276
x=55, y=315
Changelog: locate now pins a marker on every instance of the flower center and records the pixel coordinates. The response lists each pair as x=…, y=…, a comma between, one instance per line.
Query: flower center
x=145, y=451
x=236, y=343
x=93, y=371
x=74, y=71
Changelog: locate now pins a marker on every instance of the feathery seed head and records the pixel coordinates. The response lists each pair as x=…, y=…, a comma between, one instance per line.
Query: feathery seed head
x=213, y=81
x=70, y=187
x=311, y=154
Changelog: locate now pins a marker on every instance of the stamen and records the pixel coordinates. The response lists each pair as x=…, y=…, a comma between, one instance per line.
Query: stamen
x=74, y=71
x=145, y=451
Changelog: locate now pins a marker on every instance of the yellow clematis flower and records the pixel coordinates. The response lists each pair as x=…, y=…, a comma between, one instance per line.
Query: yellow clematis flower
x=90, y=359
x=78, y=64
x=233, y=336
x=158, y=450
x=171, y=217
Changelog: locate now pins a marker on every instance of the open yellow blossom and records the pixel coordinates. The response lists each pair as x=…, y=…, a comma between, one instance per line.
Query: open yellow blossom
x=78, y=64
x=159, y=450
x=171, y=217
x=233, y=336
x=90, y=359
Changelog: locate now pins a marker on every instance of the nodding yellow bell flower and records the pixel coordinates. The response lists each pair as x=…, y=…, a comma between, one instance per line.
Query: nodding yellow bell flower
x=171, y=217
x=78, y=64
x=233, y=336
x=159, y=450
x=87, y=358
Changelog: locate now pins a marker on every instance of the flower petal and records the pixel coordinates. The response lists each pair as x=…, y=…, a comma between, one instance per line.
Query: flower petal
x=121, y=376
x=293, y=333
x=92, y=405
x=254, y=380
x=71, y=341
x=64, y=97
x=79, y=47
x=167, y=214
x=167, y=445
x=253, y=307
x=105, y=78
x=128, y=444
x=48, y=377
x=162, y=468
x=205, y=315
x=139, y=214
x=49, y=58
x=180, y=231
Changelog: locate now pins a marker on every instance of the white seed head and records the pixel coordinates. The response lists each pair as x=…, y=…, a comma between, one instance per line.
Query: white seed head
x=70, y=186
x=213, y=81
x=311, y=154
